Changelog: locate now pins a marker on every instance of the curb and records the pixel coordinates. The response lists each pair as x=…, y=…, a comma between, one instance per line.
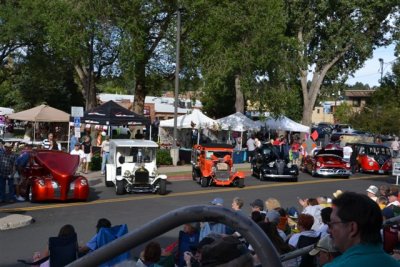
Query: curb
x=14, y=221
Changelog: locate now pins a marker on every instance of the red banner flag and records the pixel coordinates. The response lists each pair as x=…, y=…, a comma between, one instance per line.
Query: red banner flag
x=314, y=135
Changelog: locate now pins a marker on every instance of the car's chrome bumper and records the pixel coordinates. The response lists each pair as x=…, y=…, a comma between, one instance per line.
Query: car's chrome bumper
x=333, y=172
x=286, y=176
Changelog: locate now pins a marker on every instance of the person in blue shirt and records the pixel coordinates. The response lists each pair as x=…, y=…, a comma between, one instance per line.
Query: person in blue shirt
x=355, y=226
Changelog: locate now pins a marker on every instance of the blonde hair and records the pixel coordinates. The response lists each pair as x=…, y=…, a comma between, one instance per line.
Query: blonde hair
x=272, y=203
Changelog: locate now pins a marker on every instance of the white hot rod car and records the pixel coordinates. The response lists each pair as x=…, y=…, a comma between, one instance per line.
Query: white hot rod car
x=132, y=168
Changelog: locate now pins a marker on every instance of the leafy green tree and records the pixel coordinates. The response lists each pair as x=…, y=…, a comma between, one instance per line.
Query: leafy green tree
x=334, y=39
x=232, y=44
x=343, y=113
x=146, y=57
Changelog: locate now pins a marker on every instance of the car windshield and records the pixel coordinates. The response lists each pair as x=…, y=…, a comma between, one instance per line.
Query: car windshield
x=137, y=154
x=334, y=152
x=218, y=154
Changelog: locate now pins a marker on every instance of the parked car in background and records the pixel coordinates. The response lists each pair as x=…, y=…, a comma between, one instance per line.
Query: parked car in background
x=326, y=162
x=212, y=164
x=342, y=128
x=270, y=163
x=372, y=158
x=51, y=175
x=132, y=167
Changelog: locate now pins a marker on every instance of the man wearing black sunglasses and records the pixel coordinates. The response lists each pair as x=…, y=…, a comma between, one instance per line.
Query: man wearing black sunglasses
x=355, y=226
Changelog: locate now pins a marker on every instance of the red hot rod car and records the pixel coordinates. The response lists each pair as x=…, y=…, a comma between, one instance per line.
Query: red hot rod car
x=50, y=175
x=327, y=162
x=212, y=164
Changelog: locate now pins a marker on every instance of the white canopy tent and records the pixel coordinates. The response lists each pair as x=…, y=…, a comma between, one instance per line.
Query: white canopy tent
x=284, y=124
x=186, y=121
x=238, y=122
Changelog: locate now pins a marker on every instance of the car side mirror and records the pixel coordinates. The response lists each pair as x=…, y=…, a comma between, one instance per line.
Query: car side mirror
x=121, y=159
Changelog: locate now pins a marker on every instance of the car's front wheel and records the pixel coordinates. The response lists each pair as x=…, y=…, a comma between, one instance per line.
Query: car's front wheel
x=240, y=182
x=163, y=187
x=120, y=187
x=204, y=181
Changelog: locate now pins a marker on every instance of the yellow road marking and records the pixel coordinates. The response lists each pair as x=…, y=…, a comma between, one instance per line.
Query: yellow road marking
x=191, y=193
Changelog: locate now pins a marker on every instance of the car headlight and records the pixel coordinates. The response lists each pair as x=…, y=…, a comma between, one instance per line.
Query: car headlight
x=271, y=164
x=213, y=169
x=53, y=184
x=370, y=163
x=347, y=165
x=233, y=169
x=83, y=182
x=318, y=164
x=289, y=165
x=127, y=173
x=41, y=182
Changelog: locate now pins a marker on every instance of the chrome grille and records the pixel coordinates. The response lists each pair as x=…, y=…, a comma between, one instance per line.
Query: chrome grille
x=141, y=176
x=222, y=175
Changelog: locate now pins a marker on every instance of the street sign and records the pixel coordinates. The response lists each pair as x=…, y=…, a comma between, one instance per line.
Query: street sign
x=76, y=111
x=396, y=169
x=77, y=122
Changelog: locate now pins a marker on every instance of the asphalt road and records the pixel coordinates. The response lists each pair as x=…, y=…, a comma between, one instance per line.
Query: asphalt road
x=137, y=209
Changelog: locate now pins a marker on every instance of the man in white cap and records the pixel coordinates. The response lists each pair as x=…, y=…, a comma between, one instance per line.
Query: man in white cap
x=372, y=191
x=324, y=251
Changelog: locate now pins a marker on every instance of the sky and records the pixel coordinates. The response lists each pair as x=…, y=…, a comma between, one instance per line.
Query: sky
x=371, y=72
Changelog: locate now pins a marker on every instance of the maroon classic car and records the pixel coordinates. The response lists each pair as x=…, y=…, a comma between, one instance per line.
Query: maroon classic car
x=327, y=162
x=50, y=175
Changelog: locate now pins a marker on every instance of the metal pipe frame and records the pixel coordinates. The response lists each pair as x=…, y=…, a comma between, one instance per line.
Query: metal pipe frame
x=262, y=245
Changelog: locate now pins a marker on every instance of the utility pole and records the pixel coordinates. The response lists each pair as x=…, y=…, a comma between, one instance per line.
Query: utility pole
x=175, y=150
x=381, y=69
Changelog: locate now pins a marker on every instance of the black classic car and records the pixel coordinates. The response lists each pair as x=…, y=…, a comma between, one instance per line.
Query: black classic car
x=272, y=163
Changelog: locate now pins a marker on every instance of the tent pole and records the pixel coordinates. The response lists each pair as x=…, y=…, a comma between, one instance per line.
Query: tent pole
x=34, y=133
x=150, y=133
x=69, y=137
x=241, y=140
x=198, y=135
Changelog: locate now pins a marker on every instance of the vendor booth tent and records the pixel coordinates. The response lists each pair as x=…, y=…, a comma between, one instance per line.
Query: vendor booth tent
x=42, y=113
x=238, y=122
x=111, y=113
x=196, y=119
x=284, y=124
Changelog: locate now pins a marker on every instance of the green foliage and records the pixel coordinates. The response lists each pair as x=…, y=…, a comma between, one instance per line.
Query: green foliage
x=164, y=157
x=343, y=113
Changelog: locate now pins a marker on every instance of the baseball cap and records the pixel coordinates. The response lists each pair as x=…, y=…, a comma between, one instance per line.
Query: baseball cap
x=257, y=203
x=217, y=201
x=324, y=244
x=373, y=189
x=273, y=216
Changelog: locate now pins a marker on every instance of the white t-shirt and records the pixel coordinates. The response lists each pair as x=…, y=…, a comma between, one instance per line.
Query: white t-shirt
x=347, y=150
x=251, y=146
x=395, y=145
x=79, y=152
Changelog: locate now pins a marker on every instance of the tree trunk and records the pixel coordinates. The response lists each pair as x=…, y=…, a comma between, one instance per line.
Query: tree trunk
x=88, y=86
x=239, y=102
x=140, y=89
